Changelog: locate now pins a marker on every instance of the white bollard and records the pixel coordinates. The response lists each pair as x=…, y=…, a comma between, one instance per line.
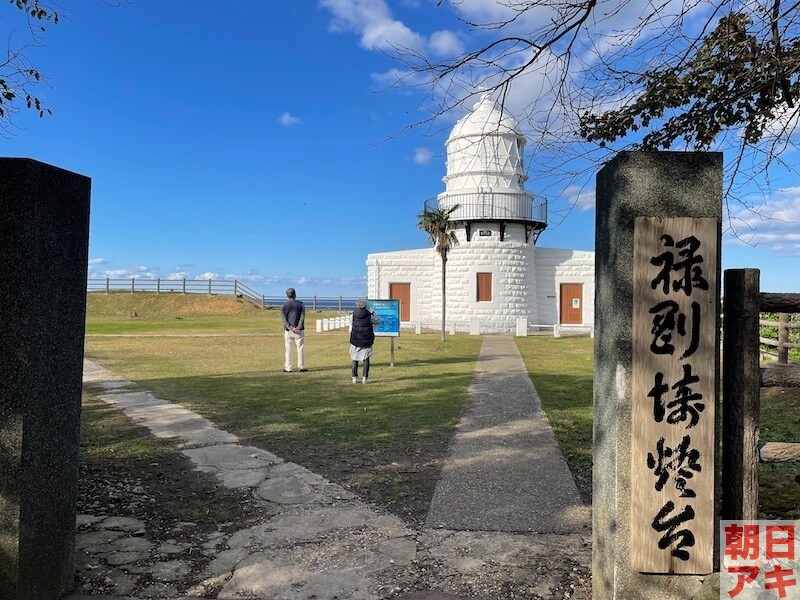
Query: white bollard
x=452, y=327
x=557, y=330
x=475, y=326
x=326, y=324
x=522, y=326
x=418, y=327
x=591, y=332
x=319, y=325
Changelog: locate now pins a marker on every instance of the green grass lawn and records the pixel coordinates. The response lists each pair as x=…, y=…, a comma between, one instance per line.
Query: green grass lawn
x=561, y=370
x=240, y=385
x=398, y=425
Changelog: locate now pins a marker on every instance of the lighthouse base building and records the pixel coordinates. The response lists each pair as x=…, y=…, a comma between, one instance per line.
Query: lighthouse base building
x=490, y=280
x=495, y=274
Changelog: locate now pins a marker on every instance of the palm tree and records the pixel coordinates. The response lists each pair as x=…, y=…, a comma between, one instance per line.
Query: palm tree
x=437, y=224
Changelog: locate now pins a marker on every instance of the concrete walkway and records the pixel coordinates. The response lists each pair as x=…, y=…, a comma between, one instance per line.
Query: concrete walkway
x=505, y=471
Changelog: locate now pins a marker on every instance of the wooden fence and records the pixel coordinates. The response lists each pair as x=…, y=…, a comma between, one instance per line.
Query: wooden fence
x=742, y=380
x=782, y=343
x=216, y=286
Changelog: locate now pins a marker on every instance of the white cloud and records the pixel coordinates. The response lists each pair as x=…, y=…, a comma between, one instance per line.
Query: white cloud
x=139, y=272
x=208, y=275
x=379, y=30
x=492, y=11
x=97, y=261
x=288, y=120
x=774, y=225
x=445, y=44
x=180, y=275
x=422, y=156
x=580, y=198
x=373, y=20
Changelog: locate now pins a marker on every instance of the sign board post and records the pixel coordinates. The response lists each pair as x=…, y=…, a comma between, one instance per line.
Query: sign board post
x=673, y=397
x=638, y=554
x=389, y=313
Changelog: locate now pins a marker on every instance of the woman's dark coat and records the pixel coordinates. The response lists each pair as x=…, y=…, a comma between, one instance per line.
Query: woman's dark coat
x=363, y=334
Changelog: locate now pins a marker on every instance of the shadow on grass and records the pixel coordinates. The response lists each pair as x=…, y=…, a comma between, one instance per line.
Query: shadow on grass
x=385, y=440
x=380, y=366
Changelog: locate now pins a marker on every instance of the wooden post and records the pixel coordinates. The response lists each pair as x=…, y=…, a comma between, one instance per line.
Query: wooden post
x=783, y=338
x=158, y=285
x=263, y=302
x=133, y=285
x=108, y=285
x=391, y=353
x=184, y=285
x=340, y=304
x=235, y=287
x=315, y=303
x=740, y=395
x=209, y=287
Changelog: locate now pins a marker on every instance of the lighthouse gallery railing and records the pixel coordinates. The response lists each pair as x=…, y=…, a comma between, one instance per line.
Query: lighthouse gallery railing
x=505, y=206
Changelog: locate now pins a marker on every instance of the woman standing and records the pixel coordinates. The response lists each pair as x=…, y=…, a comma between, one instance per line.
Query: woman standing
x=362, y=337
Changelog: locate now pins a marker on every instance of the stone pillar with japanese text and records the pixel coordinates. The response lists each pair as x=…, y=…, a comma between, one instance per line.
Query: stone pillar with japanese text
x=656, y=353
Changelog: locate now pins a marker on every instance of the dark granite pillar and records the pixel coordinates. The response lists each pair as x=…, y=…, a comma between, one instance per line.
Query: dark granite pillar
x=634, y=184
x=44, y=240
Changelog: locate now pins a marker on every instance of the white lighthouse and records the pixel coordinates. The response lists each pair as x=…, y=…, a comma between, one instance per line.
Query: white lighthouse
x=495, y=274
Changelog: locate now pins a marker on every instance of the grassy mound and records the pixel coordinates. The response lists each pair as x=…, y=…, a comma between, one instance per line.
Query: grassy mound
x=157, y=306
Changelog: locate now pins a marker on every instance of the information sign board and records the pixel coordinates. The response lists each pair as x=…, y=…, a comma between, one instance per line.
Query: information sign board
x=389, y=313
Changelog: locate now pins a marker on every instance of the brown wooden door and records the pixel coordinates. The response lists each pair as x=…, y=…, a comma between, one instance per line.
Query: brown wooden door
x=484, y=293
x=571, y=303
x=402, y=292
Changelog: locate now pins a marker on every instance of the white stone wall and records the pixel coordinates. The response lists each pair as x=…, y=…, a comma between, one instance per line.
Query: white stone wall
x=416, y=267
x=554, y=267
x=511, y=263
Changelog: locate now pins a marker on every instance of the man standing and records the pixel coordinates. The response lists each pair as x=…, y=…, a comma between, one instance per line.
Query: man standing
x=294, y=317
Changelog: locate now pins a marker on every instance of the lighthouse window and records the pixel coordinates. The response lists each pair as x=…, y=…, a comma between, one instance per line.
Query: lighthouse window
x=484, y=287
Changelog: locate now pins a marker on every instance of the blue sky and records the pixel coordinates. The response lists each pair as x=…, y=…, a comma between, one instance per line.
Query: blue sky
x=258, y=141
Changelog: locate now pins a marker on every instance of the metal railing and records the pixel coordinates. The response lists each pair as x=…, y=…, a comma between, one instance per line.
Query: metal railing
x=216, y=287
x=493, y=205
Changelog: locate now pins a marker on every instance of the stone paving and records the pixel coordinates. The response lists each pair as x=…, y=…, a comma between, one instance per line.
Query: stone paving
x=318, y=541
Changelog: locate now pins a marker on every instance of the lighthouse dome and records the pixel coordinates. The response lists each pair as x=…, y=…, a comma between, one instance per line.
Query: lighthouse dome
x=485, y=178
x=486, y=118
x=485, y=151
